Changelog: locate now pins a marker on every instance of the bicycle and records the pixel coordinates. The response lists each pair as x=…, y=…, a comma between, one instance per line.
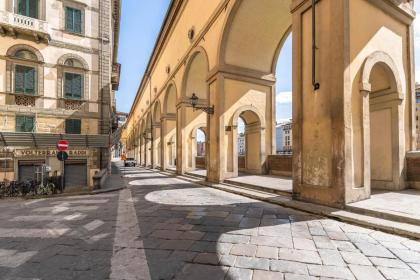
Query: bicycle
x=13, y=189
x=46, y=189
x=29, y=187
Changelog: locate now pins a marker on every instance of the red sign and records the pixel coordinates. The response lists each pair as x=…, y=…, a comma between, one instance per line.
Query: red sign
x=62, y=145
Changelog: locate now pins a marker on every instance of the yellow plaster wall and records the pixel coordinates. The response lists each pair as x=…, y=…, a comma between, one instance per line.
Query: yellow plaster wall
x=367, y=35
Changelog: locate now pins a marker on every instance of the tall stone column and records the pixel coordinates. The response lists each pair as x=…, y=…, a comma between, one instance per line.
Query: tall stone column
x=318, y=115
x=168, y=125
x=331, y=163
x=215, y=152
x=181, y=140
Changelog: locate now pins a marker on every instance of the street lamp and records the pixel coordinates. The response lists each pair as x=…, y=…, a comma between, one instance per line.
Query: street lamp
x=145, y=136
x=194, y=103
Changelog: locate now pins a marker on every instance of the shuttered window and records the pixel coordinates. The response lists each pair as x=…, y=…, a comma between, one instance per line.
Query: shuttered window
x=73, y=86
x=73, y=126
x=25, y=79
x=73, y=20
x=28, y=8
x=25, y=123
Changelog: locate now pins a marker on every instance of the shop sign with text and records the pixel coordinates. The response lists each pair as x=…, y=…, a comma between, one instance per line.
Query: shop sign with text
x=49, y=153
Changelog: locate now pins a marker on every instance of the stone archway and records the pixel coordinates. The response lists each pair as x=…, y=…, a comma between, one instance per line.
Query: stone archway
x=142, y=149
x=168, y=127
x=254, y=157
x=194, y=81
x=382, y=111
x=192, y=145
x=148, y=149
x=156, y=130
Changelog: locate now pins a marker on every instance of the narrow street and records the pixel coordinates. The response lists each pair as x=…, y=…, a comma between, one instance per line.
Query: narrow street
x=164, y=228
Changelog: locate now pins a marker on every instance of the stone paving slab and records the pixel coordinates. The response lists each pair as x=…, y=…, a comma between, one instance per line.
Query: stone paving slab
x=404, y=204
x=265, y=241
x=165, y=228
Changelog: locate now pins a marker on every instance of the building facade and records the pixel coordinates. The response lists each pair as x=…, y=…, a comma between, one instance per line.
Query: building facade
x=58, y=74
x=241, y=144
x=284, y=138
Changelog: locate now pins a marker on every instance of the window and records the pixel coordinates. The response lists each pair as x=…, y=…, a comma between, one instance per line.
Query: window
x=25, y=123
x=28, y=8
x=73, y=86
x=73, y=126
x=73, y=20
x=25, y=79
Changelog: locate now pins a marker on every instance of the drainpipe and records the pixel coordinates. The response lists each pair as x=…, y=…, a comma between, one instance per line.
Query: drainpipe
x=315, y=84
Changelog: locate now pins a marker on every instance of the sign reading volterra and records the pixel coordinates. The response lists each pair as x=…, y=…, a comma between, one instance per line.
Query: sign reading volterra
x=49, y=153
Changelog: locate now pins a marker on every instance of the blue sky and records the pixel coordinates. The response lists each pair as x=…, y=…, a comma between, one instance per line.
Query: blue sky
x=140, y=24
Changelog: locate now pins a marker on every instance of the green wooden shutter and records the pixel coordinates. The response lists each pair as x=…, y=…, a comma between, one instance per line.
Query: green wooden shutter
x=30, y=80
x=77, y=21
x=68, y=81
x=20, y=123
x=77, y=126
x=19, y=79
x=32, y=8
x=77, y=86
x=29, y=124
x=25, y=79
x=69, y=126
x=69, y=19
x=24, y=124
x=21, y=7
x=73, y=126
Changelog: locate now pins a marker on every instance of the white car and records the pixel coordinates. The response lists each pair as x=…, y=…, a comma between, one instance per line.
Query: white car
x=130, y=162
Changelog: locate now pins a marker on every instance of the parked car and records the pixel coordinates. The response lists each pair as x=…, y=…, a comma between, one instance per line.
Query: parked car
x=130, y=162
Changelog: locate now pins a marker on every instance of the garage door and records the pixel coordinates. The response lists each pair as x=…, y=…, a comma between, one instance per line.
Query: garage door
x=75, y=174
x=28, y=169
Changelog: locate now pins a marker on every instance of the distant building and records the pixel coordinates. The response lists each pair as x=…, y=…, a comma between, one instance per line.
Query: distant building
x=121, y=118
x=241, y=144
x=284, y=138
x=201, y=149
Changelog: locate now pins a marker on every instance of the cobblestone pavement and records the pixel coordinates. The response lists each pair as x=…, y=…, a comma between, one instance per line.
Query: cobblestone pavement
x=61, y=238
x=165, y=228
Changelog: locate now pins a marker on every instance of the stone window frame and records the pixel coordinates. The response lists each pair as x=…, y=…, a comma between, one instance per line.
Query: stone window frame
x=12, y=61
x=62, y=69
x=74, y=5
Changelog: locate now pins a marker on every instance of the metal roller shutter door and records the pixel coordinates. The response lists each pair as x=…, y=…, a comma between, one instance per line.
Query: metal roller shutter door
x=75, y=174
x=27, y=169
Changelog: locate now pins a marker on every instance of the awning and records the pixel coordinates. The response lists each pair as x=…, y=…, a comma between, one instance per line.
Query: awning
x=44, y=140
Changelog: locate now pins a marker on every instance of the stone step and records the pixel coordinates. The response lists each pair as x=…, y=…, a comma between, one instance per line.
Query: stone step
x=260, y=188
x=385, y=214
x=394, y=227
x=195, y=175
x=377, y=223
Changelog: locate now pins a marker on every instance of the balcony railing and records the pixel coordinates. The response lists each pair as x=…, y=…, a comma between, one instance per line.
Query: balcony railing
x=12, y=24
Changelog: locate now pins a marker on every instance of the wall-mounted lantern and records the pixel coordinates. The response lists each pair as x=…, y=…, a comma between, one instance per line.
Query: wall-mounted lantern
x=194, y=103
x=146, y=136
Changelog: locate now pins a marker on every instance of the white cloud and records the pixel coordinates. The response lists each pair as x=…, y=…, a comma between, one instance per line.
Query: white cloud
x=284, y=97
